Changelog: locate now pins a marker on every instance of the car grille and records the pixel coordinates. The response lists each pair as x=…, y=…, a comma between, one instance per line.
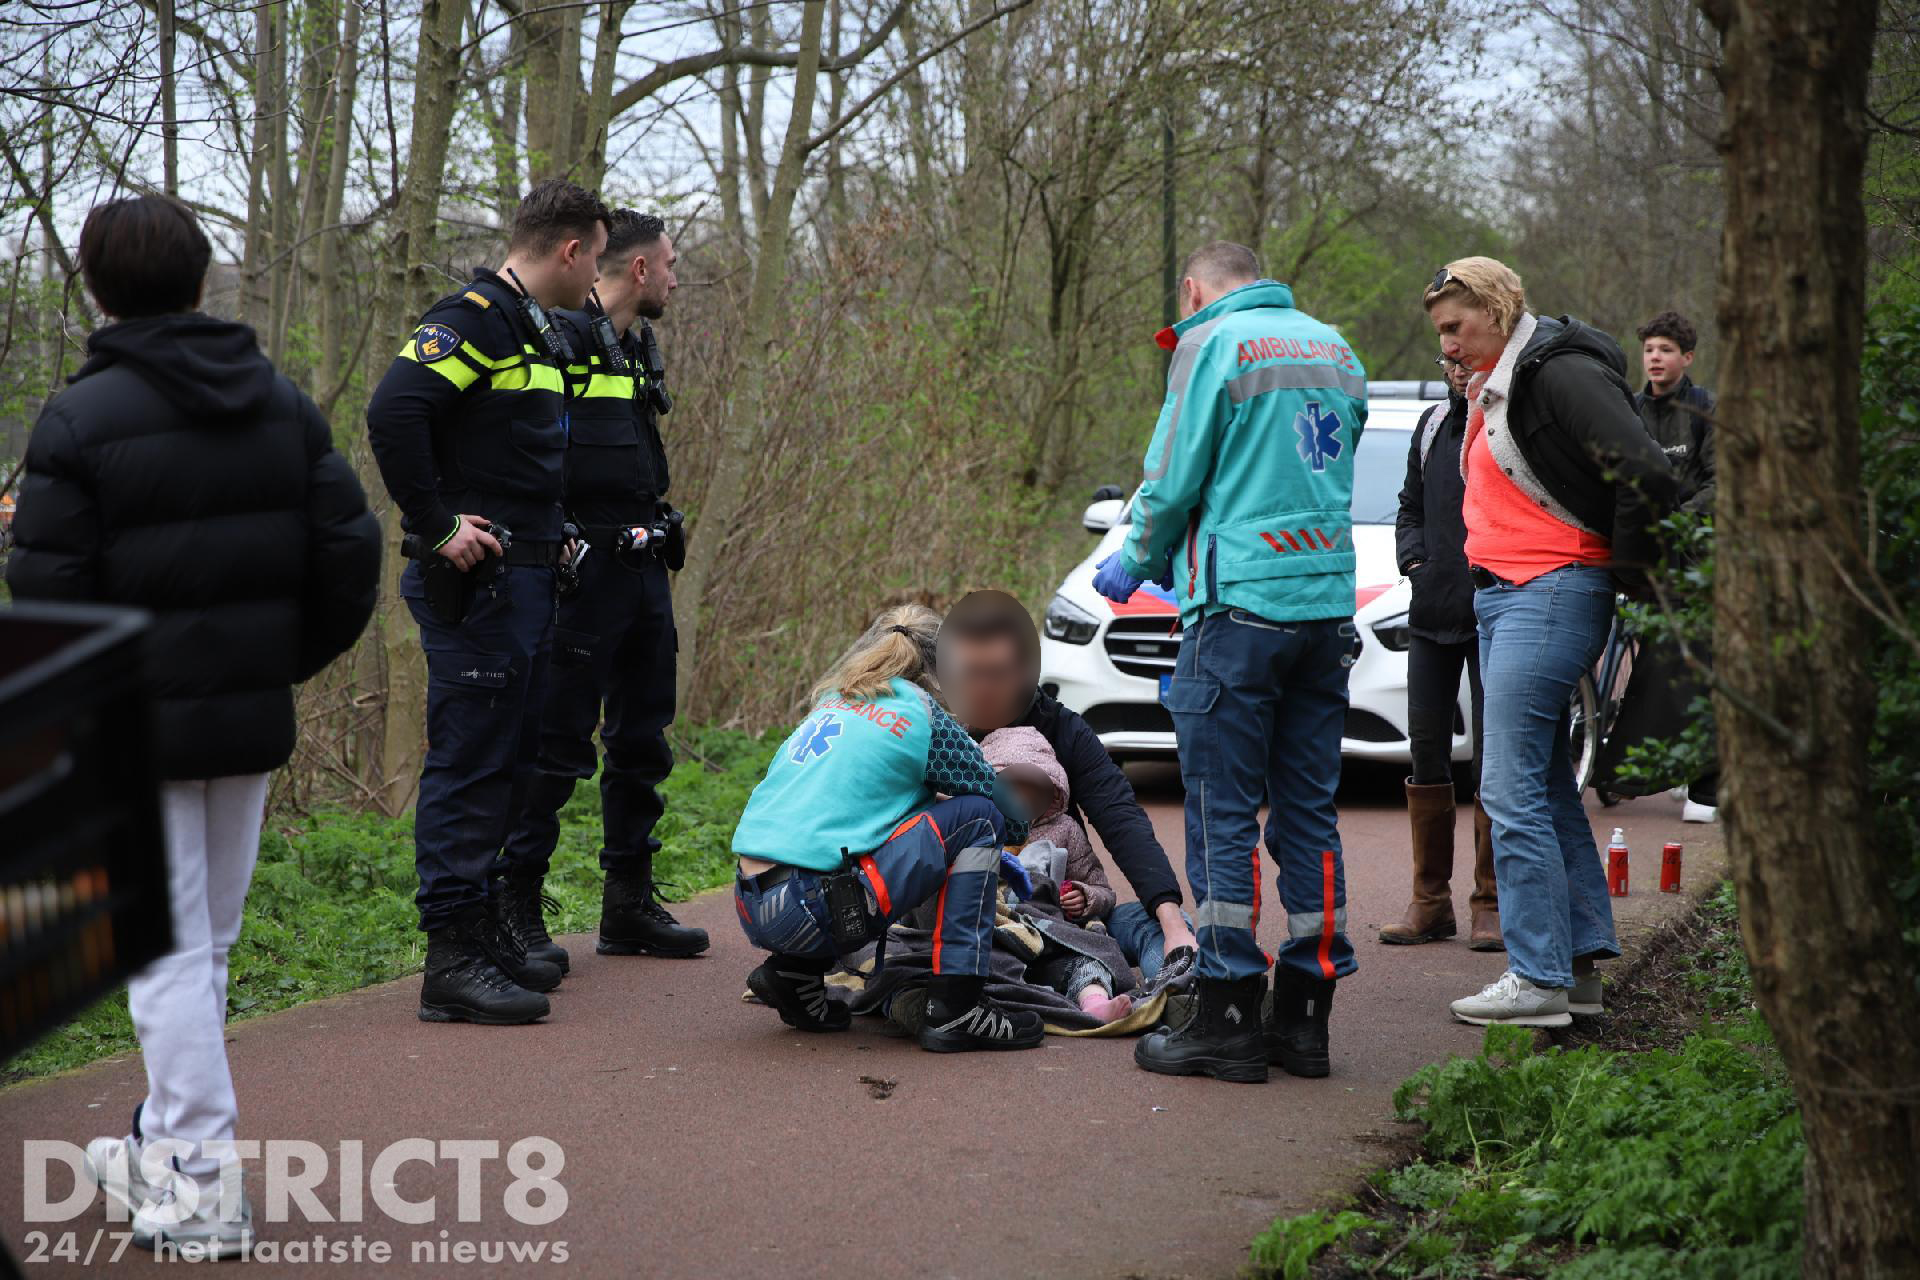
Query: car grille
x=1364, y=726
x=1144, y=646
x=1129, y=717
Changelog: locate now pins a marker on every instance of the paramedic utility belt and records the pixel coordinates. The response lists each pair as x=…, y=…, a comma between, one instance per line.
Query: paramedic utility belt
x=950, y=850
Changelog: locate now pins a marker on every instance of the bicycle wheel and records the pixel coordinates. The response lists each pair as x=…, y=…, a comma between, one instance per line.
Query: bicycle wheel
x=1584, y=732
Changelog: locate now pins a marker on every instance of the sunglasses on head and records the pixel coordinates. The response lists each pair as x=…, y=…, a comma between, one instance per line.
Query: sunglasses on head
x=1441, y=279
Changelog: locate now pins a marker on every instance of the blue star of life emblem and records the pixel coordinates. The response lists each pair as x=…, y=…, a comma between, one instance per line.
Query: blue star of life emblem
x=815, y=738
x=1317, y=429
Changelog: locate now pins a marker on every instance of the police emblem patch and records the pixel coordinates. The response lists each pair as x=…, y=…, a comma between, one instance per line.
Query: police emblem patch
x=434, y=342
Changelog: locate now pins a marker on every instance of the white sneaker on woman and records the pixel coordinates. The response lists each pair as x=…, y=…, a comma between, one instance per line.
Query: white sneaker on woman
x=1585, y=996
x=1514, y=1002
x=1697, y=812
x=202, y=1235
x=114, y=1164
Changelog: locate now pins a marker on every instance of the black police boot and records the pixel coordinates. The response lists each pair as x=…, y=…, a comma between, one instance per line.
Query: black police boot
x=960, y=1019
x=510, y=953
x=795, y=987
x=633, y=923
x=1296, y=1032
x=463, y=981
x=1221, y=1040
x=522, y=909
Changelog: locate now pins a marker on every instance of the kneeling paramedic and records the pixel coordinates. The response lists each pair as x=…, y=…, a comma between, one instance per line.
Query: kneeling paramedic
x=1250, y=477
x=469, y=428
x=844, y=836
x=614, y=647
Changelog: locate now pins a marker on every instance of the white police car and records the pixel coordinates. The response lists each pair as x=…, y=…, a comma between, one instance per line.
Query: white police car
x=1107, y=661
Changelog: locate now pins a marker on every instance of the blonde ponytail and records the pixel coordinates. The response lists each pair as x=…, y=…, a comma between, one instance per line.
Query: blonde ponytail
x=899, y=643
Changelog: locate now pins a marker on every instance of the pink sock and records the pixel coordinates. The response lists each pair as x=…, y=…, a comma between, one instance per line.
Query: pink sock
x=1097, y=1002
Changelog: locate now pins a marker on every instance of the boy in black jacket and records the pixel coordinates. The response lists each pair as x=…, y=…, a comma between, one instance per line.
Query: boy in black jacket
x=182, y=474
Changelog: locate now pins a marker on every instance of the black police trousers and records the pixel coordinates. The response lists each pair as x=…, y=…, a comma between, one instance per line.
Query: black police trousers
x=613, y=668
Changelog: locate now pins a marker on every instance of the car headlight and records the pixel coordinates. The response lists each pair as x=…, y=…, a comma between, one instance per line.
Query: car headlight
x=1068, y=623
x=1393, y=632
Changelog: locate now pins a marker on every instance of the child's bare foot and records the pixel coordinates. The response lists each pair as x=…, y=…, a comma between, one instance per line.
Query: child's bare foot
x=1107, y=1008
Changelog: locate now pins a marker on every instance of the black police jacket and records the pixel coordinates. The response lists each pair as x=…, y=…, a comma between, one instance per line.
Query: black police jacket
x=616, y=461
x=181, y=474
x=1430, y=535
x=471, y=417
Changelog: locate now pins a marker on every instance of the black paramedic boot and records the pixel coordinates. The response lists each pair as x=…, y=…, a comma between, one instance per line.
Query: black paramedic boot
x=523, y=910
x=960, y=1019
x=795, y=987
x=510, y=953
x=1221, y=1040
x=1296, y=1033
x=463, y=981
x=633, y=923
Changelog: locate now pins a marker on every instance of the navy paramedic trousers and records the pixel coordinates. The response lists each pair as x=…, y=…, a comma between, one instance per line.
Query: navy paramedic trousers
x=951, y=848
x=613, y=669
x=1258, y=708
x=485, y=676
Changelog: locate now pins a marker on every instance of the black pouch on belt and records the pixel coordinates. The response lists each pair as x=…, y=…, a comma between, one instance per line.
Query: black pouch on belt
x=849, y=918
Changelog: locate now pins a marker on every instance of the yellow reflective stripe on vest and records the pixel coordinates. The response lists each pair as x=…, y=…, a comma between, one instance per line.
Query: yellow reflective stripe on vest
x=609, y=386
x=527, y=377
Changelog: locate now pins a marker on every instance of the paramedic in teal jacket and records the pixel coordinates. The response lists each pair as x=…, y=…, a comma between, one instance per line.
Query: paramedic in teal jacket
x=855, y=789
x=1245, y=515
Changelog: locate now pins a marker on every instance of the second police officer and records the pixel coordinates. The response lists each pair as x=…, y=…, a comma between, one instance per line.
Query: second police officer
x=469, y=426
x=614, y=650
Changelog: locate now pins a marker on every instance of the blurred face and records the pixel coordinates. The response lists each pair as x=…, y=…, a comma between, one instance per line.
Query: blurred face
x=654, y=278
x=1665, y=363
x=985, y=680
x=1036, y=797
x=1467, y=333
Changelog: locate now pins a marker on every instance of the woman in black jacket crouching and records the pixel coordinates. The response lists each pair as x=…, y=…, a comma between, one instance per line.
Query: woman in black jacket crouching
x=179, y=473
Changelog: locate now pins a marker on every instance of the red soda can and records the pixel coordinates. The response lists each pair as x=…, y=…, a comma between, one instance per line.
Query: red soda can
x=1670, y=867
x=1617, y=864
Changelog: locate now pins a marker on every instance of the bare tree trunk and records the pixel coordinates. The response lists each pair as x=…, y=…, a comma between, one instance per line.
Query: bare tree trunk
x=728, y=179
x=254, y=302
x=333, y=309
x=753, y=134
x=1793, y=689
x=553, y=89
x=169, y=109
x=746, y=406
x=606, y=46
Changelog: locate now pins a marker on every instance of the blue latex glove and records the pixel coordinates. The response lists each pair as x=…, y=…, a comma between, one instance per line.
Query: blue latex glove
x=1111, y=579
x=1015, y=873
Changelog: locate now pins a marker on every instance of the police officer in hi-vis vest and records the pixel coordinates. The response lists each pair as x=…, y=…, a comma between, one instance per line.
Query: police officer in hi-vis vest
x=469, y=426
x=1245, y=515
x=615, y=645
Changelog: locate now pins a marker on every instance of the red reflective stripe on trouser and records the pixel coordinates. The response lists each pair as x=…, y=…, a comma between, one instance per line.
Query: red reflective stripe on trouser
x=1326, y=914
x=940, y=923
x=740, y=905
x=878, y=882
x=923, y=816
x=1254, y=928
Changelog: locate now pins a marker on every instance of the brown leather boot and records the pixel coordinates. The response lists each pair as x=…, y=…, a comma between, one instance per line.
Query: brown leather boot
x=1485, y=901
x=1430, y=917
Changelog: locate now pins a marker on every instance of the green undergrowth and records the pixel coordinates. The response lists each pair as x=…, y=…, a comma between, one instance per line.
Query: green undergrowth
x=331, y=906
x=1588, y=1162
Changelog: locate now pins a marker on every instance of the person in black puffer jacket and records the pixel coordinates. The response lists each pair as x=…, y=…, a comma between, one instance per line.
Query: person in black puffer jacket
x=181, y=474
x=1430, y=536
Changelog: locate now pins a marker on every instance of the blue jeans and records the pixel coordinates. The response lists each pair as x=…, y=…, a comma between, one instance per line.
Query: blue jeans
x=1140, y=937
x=1536, y=641
x=1258, y=708
x=486, y=676
x=951, y=848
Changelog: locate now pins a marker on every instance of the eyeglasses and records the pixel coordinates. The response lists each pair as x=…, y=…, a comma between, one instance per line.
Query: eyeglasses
x=1447, y=363
x=1441, y=279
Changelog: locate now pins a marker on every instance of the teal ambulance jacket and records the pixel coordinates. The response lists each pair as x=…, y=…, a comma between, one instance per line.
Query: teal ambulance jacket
x=1249, y=476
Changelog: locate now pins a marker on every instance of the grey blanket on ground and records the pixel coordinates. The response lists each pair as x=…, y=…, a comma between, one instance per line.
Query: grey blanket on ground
x=1027, y=932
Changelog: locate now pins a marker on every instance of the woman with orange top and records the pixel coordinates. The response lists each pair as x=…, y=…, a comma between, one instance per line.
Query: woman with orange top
x=1563, y=487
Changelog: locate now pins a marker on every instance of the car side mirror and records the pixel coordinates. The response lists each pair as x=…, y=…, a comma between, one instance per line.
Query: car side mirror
x=1106, y=492
x=1102, y=515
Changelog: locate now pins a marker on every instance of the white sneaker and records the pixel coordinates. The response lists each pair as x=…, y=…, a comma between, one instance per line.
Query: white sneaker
x=1515, y=1002
x=1699, y=813
x=114, y=1165
x=1585, y=996
x=202, y=1235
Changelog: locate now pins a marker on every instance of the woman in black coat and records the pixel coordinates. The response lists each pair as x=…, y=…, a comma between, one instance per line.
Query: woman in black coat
x=1430, y=537
x=181, y=474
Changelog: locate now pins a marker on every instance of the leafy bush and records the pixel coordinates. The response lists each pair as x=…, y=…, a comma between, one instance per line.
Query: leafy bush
x=1289, y=1246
